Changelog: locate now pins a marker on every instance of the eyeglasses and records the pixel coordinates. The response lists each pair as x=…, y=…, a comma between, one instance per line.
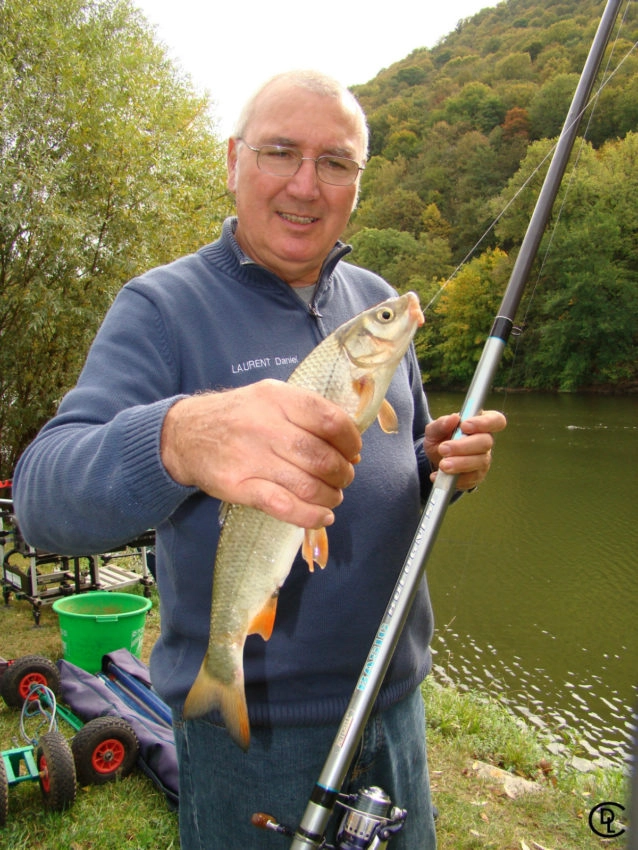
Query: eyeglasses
x=282, y=161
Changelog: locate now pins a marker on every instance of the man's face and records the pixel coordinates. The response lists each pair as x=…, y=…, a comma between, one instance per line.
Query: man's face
x=289, y=224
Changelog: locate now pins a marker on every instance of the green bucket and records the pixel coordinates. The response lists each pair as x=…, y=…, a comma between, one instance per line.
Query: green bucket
x=97, y=622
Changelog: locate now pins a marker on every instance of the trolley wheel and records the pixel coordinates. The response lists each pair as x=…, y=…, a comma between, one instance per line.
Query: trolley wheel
x=57, y=771
x=24, y=672
x=4, y=794
x=103, y=750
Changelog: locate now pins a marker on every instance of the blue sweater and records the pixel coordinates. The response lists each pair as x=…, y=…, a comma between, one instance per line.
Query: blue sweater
x=93, y=477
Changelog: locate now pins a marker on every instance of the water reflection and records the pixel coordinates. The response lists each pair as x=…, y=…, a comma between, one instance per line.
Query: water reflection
x=534, y=579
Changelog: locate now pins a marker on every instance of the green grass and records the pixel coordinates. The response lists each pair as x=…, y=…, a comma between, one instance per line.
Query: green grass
x=466, y=727
x=131, y=813
x=463, y=728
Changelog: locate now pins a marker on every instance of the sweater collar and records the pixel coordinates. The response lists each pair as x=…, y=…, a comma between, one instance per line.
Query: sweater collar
x=337, y=253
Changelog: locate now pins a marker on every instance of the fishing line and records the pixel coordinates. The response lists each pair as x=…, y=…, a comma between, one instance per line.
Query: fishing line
x=593, y=102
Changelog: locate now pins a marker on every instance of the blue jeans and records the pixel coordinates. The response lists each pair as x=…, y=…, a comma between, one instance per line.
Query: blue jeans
x=221, y=787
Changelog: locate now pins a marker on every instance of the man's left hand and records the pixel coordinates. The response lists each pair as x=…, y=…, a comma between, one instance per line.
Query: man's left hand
x=469, y=456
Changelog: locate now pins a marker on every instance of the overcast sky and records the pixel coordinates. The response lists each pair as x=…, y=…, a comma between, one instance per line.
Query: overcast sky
x=229, y=48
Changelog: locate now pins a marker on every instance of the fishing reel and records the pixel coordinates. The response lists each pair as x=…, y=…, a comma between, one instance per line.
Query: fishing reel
x=369, y=822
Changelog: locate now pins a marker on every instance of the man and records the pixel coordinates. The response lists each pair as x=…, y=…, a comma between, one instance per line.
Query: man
x=182, y=404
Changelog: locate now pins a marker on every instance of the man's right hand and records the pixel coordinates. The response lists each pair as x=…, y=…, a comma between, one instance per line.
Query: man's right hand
x=273, y=446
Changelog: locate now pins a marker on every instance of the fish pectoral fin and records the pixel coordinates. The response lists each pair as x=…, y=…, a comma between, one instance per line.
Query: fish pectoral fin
x=264, y=622
x=364, y=388
x=315, y=547
x=387, y=418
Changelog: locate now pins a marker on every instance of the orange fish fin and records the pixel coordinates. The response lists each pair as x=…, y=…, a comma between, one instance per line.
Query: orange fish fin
x=387, y=418
x=315, y=547
x=264, y=622
x=209, y=693
x=364, y=388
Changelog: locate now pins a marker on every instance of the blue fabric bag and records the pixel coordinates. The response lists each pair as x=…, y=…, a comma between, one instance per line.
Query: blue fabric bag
x=107, y=694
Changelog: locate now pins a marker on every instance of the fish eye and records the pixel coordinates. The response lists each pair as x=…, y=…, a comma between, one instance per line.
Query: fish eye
x=385, y=315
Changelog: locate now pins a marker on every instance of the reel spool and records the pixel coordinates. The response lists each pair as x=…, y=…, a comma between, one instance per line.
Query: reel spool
x=369, y=820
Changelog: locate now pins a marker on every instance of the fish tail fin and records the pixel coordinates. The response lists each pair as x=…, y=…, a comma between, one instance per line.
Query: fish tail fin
x=208, y=693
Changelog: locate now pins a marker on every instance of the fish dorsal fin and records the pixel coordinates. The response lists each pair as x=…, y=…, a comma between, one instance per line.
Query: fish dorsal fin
x=264, y=622
x=315, y=547
x=387, y=418
x=222, y=513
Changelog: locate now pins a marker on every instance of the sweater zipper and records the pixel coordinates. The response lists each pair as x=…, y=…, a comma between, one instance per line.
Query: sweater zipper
x=312, y=309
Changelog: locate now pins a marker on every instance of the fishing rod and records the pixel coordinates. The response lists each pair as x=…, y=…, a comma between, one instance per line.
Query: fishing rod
x=369, y=821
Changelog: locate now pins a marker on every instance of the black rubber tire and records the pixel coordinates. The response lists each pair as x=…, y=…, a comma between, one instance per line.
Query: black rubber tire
x=4, y=794
x=103, y=750
x=57, y=772
x=22, y=673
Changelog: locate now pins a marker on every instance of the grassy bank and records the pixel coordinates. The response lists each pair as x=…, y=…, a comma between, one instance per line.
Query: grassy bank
x=549, y=810
x=464, y=732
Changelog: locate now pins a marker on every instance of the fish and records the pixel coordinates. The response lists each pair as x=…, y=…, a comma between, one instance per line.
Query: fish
x=353, y=367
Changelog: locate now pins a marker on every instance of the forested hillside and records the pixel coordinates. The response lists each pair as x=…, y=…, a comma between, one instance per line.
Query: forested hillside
x=455, y=132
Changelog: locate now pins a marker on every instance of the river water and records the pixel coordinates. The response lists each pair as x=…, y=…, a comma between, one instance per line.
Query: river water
x=534, y=577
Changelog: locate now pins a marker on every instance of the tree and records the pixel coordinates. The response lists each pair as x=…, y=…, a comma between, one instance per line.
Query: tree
x=515, y=66
x=405, y=262
x=477, y=105
x=381, y=176
x=516, y=124
x=463, y=317
x=402, y=142
x=109, y=164
x=582, y=327
x=549, y=107
x=588, y=332
x=400, y=209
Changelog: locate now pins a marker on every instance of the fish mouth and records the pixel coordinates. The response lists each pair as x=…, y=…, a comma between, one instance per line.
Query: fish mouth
x=294, y=218
x=415, y=311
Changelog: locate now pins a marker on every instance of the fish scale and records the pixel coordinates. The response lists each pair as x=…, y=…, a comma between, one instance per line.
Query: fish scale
x=352, y=367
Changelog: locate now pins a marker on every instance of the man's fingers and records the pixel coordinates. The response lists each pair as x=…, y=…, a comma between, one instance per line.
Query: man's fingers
x=489, y=421
x=471, y=446
x=470, y=456
x=323, y=419
x=282, y=504
x=478, y=463
x=306, y=453
x=442, y=428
